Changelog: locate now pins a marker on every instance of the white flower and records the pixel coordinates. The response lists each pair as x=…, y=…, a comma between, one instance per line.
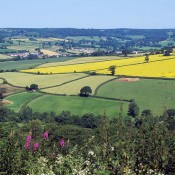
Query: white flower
x=90, y=153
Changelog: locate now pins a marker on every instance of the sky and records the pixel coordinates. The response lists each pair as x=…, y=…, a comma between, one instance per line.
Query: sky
x=99, y=14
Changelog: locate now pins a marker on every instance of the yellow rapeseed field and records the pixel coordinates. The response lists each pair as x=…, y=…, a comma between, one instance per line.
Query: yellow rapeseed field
x=158, y=66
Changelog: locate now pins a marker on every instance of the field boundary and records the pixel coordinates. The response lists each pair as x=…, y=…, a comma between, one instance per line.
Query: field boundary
x=99, y=86
x=65, y=82
x=24, y=105
x=90, y=96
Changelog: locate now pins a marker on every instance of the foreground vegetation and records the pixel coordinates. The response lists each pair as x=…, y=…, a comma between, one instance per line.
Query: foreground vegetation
x=52, y=144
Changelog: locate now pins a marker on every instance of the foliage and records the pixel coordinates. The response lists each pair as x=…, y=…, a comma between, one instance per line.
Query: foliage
x=133, y=109
x=112, y=69
x=85, y=91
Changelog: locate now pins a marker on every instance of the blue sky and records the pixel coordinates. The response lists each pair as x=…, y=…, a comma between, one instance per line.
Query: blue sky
x=87, y=13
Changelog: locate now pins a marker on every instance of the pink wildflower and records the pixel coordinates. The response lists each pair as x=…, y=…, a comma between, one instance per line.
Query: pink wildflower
x=46, y=135
x=35, y=146
x=28, y=138
x=27, y=145
x=62, y=142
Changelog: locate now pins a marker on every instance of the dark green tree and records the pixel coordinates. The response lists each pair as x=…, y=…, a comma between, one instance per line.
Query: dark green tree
x=85, y=91
x=112, y=69
x=133, y=109
x=33, y=87
x=147, y=58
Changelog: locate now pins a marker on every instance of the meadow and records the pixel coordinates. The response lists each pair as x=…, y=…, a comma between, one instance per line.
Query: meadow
x=81, y=60
x=57, y=104
x=158, y=66
x=155, y=95
x=17, y=100
x=73, y=88
x=2, y=56
x=27, y=64
x=24, y=79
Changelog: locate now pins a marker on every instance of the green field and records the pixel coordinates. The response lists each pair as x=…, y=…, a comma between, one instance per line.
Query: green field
x=24, y=79
x=78, y=38
x=4, y=57
x=76, y=105
x=19, y=99
x=148, y=94
x=73, y=88
x=82, y=60
x=27, y=64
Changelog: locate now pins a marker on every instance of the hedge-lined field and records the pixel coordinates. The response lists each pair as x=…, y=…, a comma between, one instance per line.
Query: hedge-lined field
x=27, y=64
x=149, y=94
x=81, y=60
x=17, y=100
x=76, y=105
x=24, y=79
x=74, y=87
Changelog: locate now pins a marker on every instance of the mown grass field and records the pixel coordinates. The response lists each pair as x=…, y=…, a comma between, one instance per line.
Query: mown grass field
x=148, y=94
x=27, y=64
x=4, y=57
x=48, y=52
x=31, y=48
x=76, y=105
x=158, y=66
x=19, y=99
x=81, y=60
x=24, y=79
x=73, y=88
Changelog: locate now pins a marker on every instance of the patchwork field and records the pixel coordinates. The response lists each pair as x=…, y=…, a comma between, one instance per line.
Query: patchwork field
x=158, y=66
x=76, y=105
x=73, y=88
x=48, y=52
x=27, y=64
x=23, y=79
x=4, y=57
x=148, y=94
x=17, y=100
x=81, y=60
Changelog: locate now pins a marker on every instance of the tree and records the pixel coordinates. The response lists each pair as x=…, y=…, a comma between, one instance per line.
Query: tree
x=85, y=91
x=147, y=58
x=133, y=109
x=112, y=69
x=33, y=87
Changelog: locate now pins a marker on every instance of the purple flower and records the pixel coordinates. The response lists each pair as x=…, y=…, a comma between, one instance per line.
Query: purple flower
x=27, y=145
x=46, y=135
x=62, y=142
x=35, y=146
x=28, y=138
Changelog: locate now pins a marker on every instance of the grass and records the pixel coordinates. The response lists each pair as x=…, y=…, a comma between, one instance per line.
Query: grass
x=73, y=88
x=48, y=52
x=76, y=105
x=82, y=60
x=31, y=48
x=148, y=94
x=19, y=99
x=4, y=57
x=24, y=79
x=78, y=38
x=27, y=64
